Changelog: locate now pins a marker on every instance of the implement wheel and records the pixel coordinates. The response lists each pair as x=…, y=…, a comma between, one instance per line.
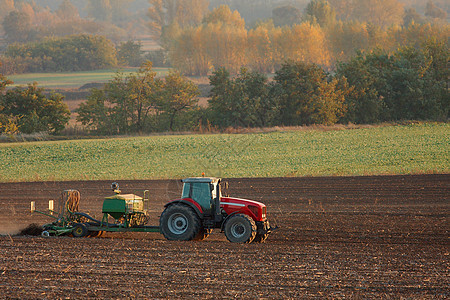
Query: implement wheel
x=79, y=230
x=94, y=234
x=240, y=228
x=179, y=223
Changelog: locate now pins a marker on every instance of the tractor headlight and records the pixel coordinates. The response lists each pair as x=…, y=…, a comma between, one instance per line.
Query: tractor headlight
x=264, y=212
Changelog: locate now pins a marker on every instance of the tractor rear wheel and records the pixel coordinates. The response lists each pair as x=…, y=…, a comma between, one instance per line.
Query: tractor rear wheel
x=179, y=223
x=240, y=228
x=80, y=230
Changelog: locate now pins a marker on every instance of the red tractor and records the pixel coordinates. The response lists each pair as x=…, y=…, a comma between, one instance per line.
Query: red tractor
x=202, y=208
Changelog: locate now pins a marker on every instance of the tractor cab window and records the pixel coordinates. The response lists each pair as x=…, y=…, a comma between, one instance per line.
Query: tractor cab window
x=199, y=192
x=186, y=191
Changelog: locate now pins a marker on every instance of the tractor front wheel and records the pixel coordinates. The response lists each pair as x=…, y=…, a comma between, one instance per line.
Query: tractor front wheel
x=179, y=223
x=240, y=228
x=79, y=230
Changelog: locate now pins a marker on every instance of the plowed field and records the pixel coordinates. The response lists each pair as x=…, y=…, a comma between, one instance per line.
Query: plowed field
x=339, y=237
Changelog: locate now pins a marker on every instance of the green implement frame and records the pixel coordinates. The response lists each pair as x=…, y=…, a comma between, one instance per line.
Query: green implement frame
x=129, y=212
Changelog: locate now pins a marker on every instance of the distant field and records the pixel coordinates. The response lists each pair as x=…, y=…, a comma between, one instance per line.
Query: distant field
x=409, y=149
x=72, y=80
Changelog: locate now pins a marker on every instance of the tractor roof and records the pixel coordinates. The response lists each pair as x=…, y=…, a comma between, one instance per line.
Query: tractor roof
x=201, y=179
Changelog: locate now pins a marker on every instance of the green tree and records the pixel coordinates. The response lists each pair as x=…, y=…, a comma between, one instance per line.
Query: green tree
x=307, y=96
x=100, y=10
x=130, y=54
x=321, y=12
x=411, y=16
x=70, y=53
x=365, y=104
x=186, y=13
x=431, y=10
x=286, y=15
x=37, y=113
x=177, y=95
x=244, y=101
x=7, y=6
x=124, y=105
x=138, y=102
x=67, y=11
x=410, y=84
x=382, y=13
x=3, y=82
x=17, y=26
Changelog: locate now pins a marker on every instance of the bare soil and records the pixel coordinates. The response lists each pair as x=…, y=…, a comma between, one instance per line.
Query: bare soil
x=339, y=237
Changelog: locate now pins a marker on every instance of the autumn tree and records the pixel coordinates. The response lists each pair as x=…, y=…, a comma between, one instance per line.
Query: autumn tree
x=304, y=42
x=346, y=38
x=259, y=53
x=189, y=52
x=226, y=37
x=220, y=41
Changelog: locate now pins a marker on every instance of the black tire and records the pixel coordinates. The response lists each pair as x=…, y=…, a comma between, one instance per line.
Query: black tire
x=260, y=238
x=79, y=230
x=202, y=234
x=179, y=222
x=240, y=228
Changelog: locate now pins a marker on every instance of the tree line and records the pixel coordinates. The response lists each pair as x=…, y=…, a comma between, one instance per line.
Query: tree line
x=70, y=54
x=222, y=40
x=409, y=84
x=196, y=40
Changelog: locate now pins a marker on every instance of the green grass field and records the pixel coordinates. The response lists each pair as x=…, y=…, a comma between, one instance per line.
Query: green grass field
x=72, y=80
x=408, y=149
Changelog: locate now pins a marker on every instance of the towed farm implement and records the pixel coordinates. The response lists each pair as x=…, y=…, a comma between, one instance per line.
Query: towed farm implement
x=200, y=209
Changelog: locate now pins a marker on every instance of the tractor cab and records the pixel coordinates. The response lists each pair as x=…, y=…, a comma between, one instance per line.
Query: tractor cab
x=204, y=191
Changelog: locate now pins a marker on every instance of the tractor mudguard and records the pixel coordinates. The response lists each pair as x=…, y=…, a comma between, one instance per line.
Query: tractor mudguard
x=189, y=202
